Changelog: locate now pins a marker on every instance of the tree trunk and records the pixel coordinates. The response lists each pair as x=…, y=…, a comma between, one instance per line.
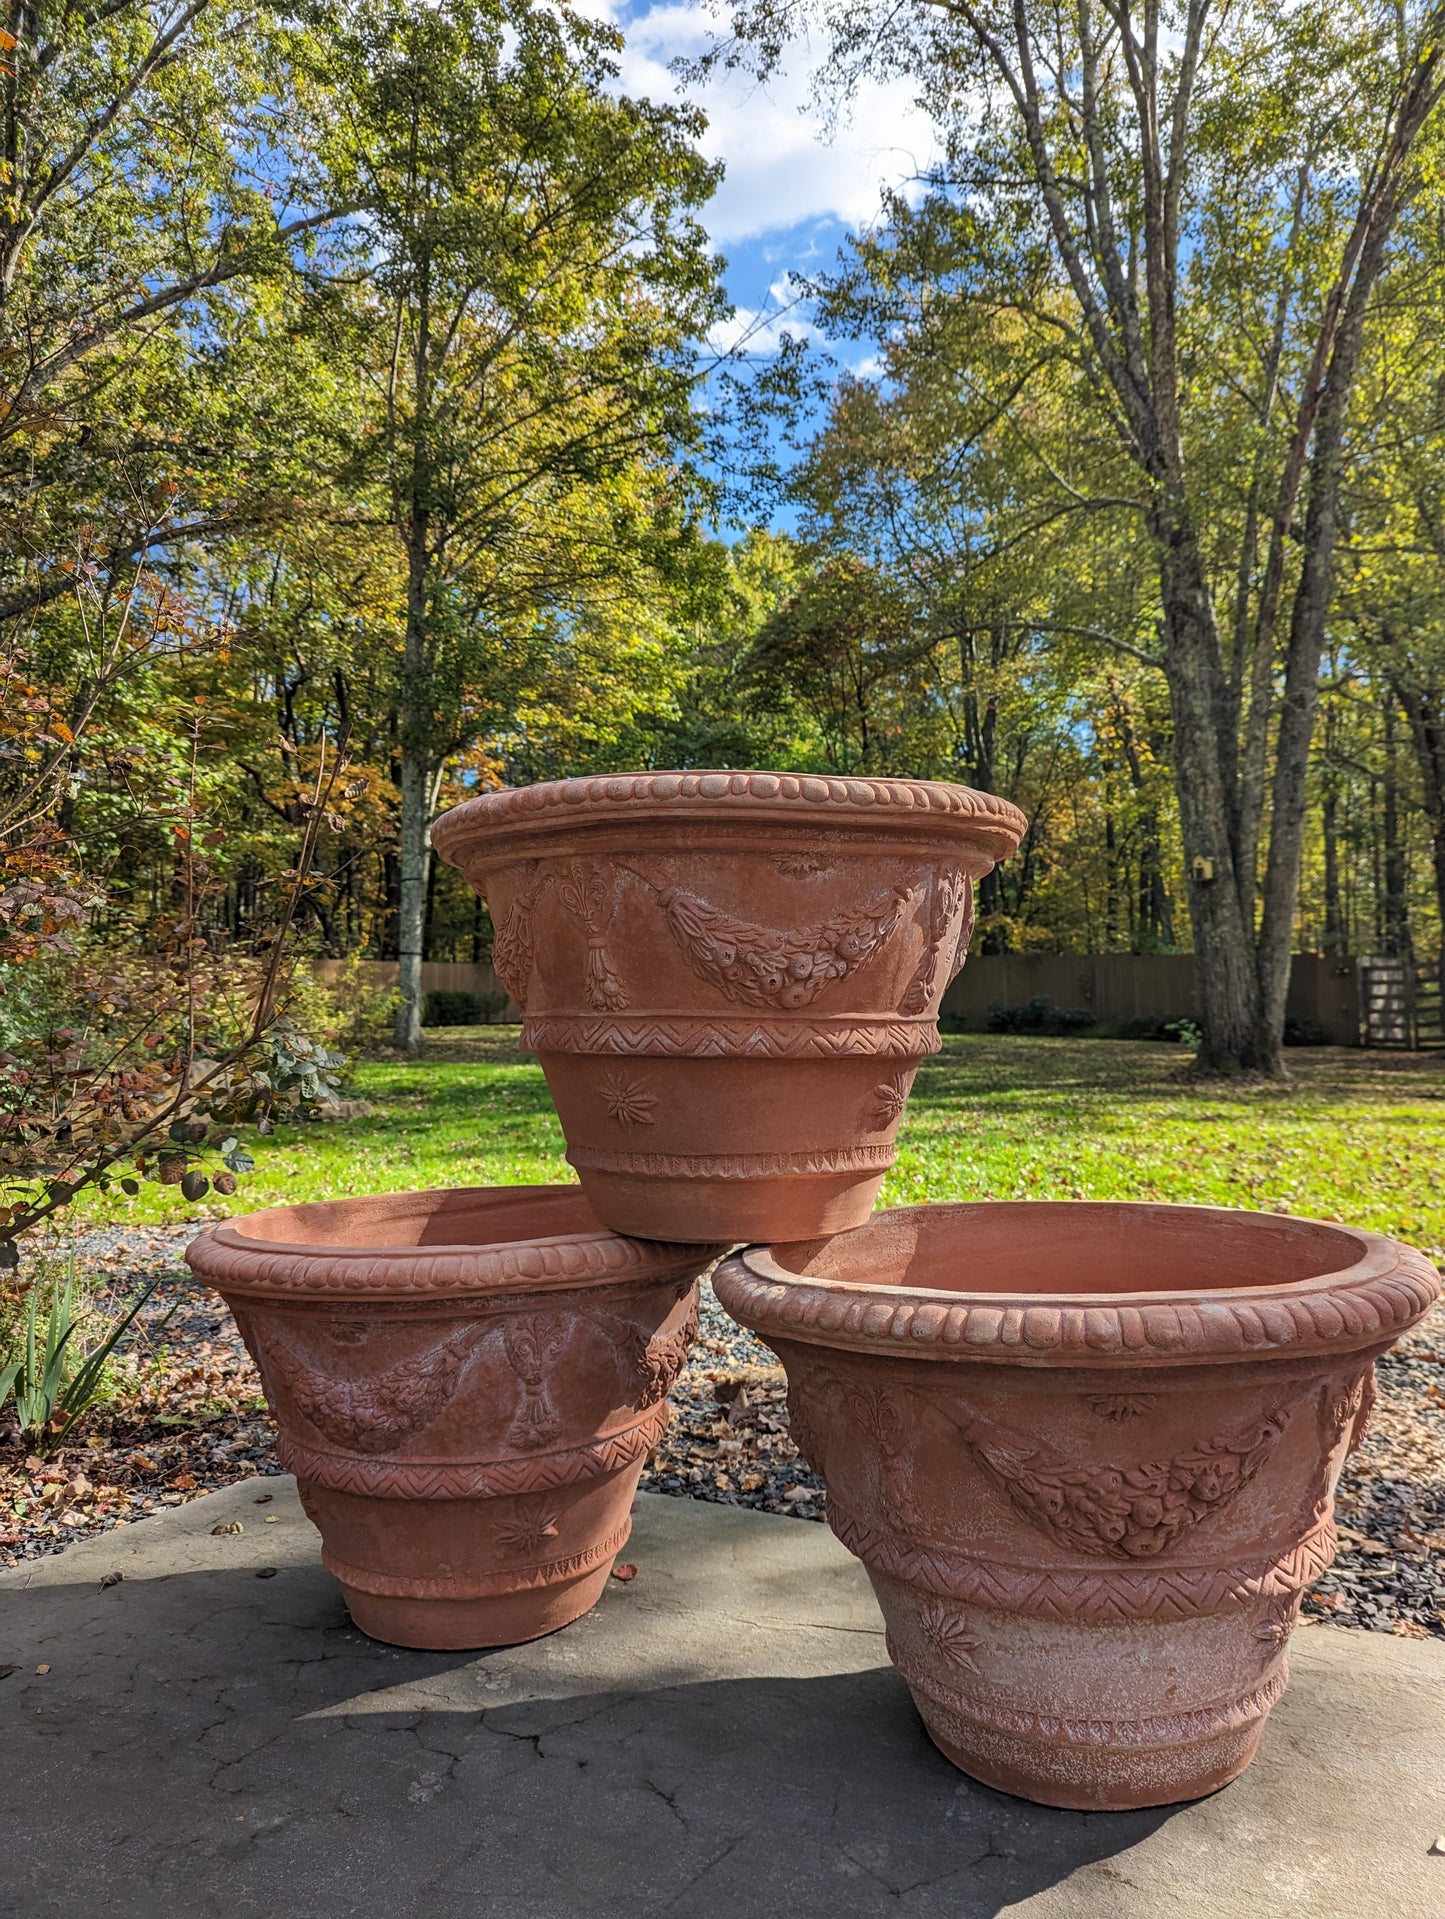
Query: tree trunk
x=414, y=854
x=1205, y=780
x=1335, y=940
x=413, y=863
x=1397, y=903
x=1424, y=708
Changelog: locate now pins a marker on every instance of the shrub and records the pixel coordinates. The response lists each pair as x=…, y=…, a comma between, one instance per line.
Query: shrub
x=1040, y=1015
x=1181, y=1028
x=448, y=1008
x=346, y=1010
x=53, y=1373
x=1304, y=1032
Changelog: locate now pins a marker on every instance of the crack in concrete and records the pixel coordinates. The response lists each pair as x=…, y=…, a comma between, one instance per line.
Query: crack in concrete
x=669, y=1799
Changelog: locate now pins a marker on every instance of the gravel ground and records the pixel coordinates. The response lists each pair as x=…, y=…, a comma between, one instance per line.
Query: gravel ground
x=191, y=1418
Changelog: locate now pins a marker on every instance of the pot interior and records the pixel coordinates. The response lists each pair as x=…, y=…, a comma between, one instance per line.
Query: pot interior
x=465, y=1219
x=1073, y=1248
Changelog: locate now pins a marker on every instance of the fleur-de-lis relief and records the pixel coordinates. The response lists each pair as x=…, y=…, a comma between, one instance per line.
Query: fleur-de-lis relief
x=586, y=892
x=949, y=1637
x=944, y=894
x=376, y=1411
x=1121, y=1407
x=526, y=1532
x=805, y=1430
x=628, y=1099
x=531, y=1345
x=877, y=1412
x=1137, y=1511
x=1354, y=1408
x=885, y=1104
x=513, y=944
x=965, y=934
x=763, y=966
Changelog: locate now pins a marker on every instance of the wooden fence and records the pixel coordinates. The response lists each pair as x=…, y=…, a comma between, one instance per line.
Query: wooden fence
x=1342, y=998
x=1118, y=988
x=437, y=976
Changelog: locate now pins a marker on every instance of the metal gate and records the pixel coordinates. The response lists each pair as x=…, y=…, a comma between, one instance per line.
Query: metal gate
x=1387, y=1001
x=1429, y=1015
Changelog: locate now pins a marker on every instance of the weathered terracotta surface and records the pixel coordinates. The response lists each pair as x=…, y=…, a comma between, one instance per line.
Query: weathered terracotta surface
x=1088, y=1454
x=730, y=978
x=466, y=1385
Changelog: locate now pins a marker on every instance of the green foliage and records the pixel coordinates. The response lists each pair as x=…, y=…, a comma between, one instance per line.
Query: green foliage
x=56, y=1374
x=443, y=1008
x=1039, y=1015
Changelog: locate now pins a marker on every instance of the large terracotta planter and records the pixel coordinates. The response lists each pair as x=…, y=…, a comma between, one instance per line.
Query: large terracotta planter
x=466, y=1385
x=729, y=978
x=1087, y=1454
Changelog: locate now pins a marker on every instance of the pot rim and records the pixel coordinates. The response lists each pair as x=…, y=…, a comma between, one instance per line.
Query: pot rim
x=1370, y=1301
x=724, y=794
x=235, y=1261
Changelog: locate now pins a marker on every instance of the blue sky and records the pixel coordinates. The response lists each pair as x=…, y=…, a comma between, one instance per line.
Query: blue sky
x=794, y=187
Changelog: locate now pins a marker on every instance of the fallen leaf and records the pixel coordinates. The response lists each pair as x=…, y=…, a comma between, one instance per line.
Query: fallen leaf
x=42, y=1669
x=264, y=1499
x=1409, y=1629
x=183, y=1482
x=5, y=1671
x=267, y=1572
x=624, y=1573
x=271, y=1519
x=1438, y=1847
x=231, y=1526
x=70, y=1518
x=110, y=1579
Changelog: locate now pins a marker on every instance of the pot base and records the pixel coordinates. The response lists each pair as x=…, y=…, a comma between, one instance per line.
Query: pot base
x=695, y=1211
x=472, y=1625
x=1096, y=1781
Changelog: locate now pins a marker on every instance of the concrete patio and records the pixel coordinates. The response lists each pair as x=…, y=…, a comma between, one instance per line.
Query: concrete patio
x=722, y=1736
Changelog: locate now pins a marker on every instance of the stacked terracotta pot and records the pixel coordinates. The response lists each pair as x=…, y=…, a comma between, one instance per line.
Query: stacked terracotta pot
x=1087, y=1453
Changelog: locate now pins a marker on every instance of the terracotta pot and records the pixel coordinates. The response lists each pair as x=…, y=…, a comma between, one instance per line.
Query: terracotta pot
x=730, y=978
x=1087, y=1454
x=466, y=1385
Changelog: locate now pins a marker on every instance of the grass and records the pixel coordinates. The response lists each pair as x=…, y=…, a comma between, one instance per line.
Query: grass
x=1354, y=1136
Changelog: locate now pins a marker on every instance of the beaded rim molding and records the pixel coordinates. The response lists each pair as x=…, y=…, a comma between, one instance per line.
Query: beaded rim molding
x=243, y=1262
x=1371, y=1301
x=776, y=796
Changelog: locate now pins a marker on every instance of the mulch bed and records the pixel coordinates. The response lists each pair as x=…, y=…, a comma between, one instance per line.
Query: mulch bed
x=191, y=1418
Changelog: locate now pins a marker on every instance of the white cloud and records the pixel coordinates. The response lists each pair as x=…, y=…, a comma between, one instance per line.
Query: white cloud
x=783, y=166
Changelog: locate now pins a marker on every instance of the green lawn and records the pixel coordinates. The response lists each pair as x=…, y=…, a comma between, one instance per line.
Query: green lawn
x=1355, y=1136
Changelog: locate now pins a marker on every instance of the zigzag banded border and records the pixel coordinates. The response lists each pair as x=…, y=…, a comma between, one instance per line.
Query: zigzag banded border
x=843, y=1159
x=707, y=1038
x=473, y=1479
x=1187, y=1592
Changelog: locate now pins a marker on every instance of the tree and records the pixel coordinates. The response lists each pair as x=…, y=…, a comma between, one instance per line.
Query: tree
x=150, y=167
x=1197, y=207
x=534, y=277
